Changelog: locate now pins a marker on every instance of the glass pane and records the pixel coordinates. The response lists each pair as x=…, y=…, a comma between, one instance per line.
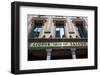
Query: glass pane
x=59, y=30
x=36, y=30
x=82, y=31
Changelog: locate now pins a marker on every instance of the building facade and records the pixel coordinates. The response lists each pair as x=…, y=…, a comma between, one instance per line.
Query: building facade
x=49, y=28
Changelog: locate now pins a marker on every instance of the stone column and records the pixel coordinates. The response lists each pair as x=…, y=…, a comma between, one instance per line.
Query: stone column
x=29, y=18
x=71, y=28
x=49, y=22
x=30, y=24
x=53, y=30
x=76, y=31
x=48, y=54
x=85, y=23
x=66, y=29
x=30, y=27
x=48, y=27
x=73, y=53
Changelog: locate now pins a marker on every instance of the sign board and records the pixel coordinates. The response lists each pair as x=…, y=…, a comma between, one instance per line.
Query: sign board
x=57, y=44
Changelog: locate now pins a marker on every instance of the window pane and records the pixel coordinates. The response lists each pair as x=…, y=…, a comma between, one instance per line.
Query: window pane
x=82, y=31
x=36, y=30
x=59, y=30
